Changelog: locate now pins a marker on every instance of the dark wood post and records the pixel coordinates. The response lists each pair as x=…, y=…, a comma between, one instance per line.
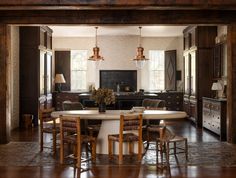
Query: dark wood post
x=4, y=84
x=231, y=84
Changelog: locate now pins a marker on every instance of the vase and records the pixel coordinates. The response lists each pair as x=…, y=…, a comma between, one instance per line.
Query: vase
x=102, y=107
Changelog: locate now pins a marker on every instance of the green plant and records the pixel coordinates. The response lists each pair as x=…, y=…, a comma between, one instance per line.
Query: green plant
x=103, y=95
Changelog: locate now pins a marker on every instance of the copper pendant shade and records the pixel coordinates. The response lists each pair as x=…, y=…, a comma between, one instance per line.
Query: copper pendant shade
x=140, y=58
x=96, y=56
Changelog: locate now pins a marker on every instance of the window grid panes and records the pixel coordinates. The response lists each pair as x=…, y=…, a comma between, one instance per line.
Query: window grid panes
x=156, y=70
x=78, y=69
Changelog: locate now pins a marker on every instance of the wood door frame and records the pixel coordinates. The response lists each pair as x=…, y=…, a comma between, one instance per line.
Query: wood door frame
x=116, y=17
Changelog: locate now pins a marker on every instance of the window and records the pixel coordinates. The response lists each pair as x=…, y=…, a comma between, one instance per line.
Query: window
x=78, y=69
x=156, y=70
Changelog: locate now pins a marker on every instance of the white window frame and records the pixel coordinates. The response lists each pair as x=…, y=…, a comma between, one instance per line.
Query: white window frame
x=156, y=67
x=82, y=67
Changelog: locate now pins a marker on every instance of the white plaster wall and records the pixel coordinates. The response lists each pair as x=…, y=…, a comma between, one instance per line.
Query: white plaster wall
x=164, y=43
x=118, y=52
x=14, y=91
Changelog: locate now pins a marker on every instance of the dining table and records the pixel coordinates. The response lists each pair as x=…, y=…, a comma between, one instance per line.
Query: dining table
x=111, y=122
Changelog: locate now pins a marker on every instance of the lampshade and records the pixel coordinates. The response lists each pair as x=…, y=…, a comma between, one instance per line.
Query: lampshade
x=140, y=58
x=96, y=56
x=60, y=78
x=216, y=86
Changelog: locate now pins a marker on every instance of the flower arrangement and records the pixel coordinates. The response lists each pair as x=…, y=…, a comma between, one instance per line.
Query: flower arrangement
x=103, y=95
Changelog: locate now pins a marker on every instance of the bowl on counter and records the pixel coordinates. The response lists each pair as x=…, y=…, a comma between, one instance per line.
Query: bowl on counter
x=138, y=109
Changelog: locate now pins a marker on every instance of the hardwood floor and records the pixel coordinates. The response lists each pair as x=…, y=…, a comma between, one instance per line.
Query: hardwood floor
x=104, y=170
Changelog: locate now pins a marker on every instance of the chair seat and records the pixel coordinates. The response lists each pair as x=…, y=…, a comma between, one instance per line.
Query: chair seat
x=95, y=128
x=177, y=139
x=73, y=139
x=128, y=137
x=154, y=128
x=50, y=130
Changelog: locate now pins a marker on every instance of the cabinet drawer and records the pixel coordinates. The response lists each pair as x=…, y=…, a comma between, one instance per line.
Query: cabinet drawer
x=207, y=124
x=215, y=106
x=215, y=116
x=206, y=105
x=215, y=127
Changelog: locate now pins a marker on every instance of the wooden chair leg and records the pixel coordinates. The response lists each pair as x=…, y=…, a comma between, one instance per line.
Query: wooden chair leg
x=54, y=142
x=62, y=152
x=120, y=152
x=78, y=157
x=41, y=141
x=186, y=149
x=140, y=150
x=131, y=148
x=175, y=148
x=148, y=139
x=93, y=151
x=110, y=148
x=157, y=150
x=161, y=150
x=167, y=152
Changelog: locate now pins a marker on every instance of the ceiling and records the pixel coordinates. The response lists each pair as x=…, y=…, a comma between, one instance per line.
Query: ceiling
x=89, y=31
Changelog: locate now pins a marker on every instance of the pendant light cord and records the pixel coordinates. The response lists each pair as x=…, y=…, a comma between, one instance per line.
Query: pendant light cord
x=96, y=36
x=140, y=36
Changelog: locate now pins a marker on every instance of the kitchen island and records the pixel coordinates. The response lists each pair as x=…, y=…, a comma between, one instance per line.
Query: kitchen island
x=124, y=100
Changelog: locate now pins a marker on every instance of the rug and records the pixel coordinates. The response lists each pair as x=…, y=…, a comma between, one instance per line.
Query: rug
x=200, y=154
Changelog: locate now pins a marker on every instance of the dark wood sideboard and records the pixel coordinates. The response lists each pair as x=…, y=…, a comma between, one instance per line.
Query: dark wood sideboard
x=214, y=116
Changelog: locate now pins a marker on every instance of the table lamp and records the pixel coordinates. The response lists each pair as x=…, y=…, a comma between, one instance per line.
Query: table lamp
x=59, y=79
x=216, y=87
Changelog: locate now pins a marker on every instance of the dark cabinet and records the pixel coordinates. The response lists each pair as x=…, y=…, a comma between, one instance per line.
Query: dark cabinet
x=174, y=100
x=214, y=116
x=219, y=60
x=59, y=98
x=35, y=70
x=198, y=61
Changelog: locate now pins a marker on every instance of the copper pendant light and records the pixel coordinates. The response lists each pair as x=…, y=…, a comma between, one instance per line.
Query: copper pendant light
x=96, y=57
x=140, y=58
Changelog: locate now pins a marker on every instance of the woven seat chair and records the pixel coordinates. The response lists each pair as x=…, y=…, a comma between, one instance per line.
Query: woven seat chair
x=152, y=127
x=48, y=125
x=92, y=126
x=70, y=106
x=71, y=134
x=163, y=144
x=128, y=123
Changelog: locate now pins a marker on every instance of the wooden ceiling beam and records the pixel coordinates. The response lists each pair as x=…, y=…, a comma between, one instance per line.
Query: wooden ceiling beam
x=118, y=17
x=124, y=4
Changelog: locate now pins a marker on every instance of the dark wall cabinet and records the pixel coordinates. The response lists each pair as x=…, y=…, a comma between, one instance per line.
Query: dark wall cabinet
x=199, y=42
x=35, y=69
x=219, y=60
x=214, y=116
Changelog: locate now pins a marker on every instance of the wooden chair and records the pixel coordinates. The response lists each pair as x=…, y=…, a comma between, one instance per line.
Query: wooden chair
x=91, y=126
x=163, y=144
x=152, y=127
x=127, y=123
x=71, y=134
x=48, y=125
x=70, y=106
